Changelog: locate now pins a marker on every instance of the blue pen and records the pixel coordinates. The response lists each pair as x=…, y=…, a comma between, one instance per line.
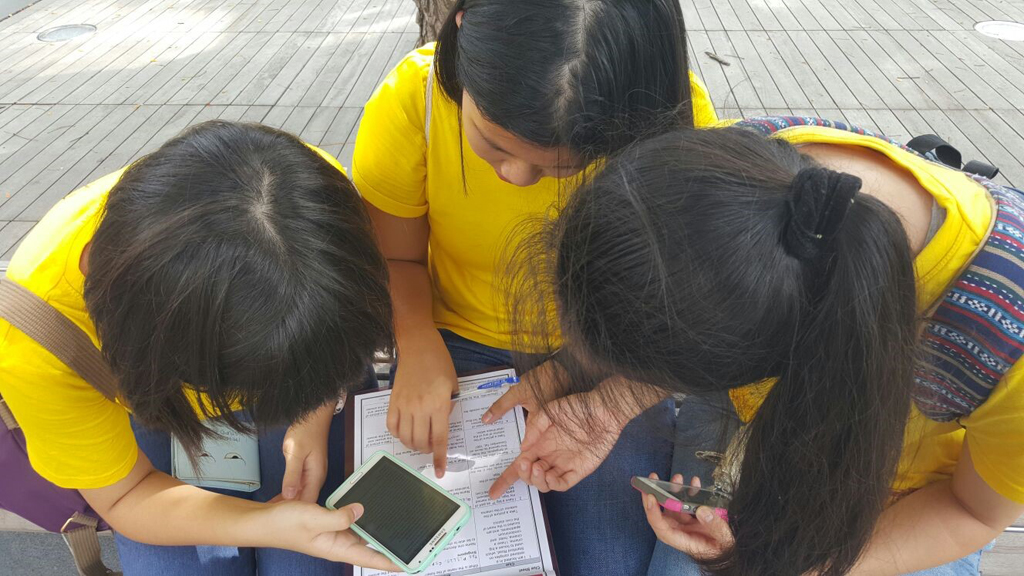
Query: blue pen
x=498, y=383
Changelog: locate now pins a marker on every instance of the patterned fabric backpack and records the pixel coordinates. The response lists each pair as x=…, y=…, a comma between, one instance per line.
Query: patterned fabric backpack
x=976, y=333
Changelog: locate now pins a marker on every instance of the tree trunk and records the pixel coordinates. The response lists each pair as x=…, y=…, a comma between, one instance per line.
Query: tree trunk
x=430, y=15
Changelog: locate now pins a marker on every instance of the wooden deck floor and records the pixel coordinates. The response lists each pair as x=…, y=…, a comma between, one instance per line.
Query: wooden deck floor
x=72, y=111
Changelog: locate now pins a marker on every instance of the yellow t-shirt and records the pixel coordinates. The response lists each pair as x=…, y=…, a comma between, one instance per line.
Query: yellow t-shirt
x=995, y=430
x=75, y=437
x=470, y=227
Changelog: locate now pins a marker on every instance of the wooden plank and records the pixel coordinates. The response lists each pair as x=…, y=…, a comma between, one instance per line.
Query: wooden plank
x=310, y=80
x=76, y=53
x=376, y=66
x=219, y=79
x=984, y=138
x=19, y=177
x=1014, y=119
x=804, y=18
x=264, y=50
x=727, y=16
x=1008, y=138
x=233, y=113
x=712, y=73
x=21, y=130
x=825, y=15
x=859, y=117
x=890, y=96
x=298, y=119
x=936, y=70
x=10, y=112
x=254, y=114
x=1004, y=559
x=890, y=125
x=884, y=20
x=58, y=88
x=903, y=80
x=769, y=18
x=164, y=51
x=813, y=88
x=205, y=70
x=386, y=16
x=335, y=19
x=340, y=130
x=845, y=72
x=11, y=236
x=347, y=152
x=275, y=16
x=761, y=76
x=914, y=71
x=318, y=125
x=330, y=73
x=406, y=44
x=821, y=67
x=976, y=85
x=346, y=79
x=997, y=63
x=277, y=116
x=33, y=204
x=75, y=176
x=740, y=85
x=279, y=83
x=129, y=148
x=172, y=64
x=746, y=16
x=691, y=16
x=101, y=83
x=708, y=15
x=367, y=16
x=37, y=135
x=860, y=18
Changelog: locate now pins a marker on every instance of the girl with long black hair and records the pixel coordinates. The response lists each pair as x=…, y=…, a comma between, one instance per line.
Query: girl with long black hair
x=491, y=126
x=855, y=305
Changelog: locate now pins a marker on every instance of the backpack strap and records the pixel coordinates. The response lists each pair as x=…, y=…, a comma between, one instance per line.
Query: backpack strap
x=62, y=338
x=976, y=333
x=935, y=147
x=59, y=335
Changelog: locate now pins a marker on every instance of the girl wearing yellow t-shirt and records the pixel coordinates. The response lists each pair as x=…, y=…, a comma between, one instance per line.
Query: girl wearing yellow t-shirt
x=237, y=260
x=701, y=261
x=465, y=141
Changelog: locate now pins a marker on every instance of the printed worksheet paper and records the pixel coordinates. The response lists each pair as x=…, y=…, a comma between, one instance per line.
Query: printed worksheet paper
x=504, y=537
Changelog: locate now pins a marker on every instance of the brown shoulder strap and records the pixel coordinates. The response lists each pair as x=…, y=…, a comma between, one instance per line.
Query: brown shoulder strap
x=55, y=332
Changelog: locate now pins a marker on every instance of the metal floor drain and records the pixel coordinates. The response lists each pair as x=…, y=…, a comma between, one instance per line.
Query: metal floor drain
x=67, y=32
x=1001, y=29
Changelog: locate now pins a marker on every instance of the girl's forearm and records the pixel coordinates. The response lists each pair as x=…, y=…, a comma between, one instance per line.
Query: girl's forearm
x=926, y=529
x=412, y=298
x=164, y=511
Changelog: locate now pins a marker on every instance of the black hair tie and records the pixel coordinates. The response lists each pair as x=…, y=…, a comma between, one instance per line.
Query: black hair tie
x=819, y=201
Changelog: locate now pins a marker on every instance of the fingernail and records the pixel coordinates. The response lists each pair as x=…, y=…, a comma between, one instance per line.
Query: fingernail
x=647, y=503
x=357, y=511
x=705, y=515
x=289, y=493
x=487, y=417
x=523, y=466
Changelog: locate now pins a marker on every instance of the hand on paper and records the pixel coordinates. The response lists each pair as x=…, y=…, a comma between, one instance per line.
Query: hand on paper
x=557, y=452
x=703, y=536
x=305, y=455
x=421, y=401
x=316, y=531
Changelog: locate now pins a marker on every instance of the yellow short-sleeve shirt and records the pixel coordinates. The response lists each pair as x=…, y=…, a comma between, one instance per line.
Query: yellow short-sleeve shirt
x=75, y=437
x=995, y=430
x=470, y=226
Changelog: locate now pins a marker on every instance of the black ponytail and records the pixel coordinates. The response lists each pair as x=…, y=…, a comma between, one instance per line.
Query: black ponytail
x=689, y=264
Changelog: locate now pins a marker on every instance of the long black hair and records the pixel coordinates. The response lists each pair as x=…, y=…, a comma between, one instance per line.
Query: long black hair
x=236, y=262
x=673, y=268
x=592, y=75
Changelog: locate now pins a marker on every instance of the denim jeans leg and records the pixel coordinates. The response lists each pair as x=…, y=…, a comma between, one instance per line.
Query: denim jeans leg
x=701, y=424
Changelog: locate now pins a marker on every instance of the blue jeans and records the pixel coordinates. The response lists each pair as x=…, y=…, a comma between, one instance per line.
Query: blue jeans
x=707, y=424
x=147, y=559
x=599, y=526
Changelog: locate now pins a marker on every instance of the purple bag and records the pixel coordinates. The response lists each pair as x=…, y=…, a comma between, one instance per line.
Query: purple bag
x=23, y=491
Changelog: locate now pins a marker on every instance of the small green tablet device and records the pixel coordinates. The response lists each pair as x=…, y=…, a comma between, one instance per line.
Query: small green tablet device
x=406, y=517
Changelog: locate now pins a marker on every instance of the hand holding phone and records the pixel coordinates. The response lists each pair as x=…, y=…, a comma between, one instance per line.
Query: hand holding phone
x=405, y=516
x=687, y=518
x=682, y=498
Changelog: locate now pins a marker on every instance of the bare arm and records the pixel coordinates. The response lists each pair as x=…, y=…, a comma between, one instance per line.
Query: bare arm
x=151, y=507
x=425, y=380
x=938, y=524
